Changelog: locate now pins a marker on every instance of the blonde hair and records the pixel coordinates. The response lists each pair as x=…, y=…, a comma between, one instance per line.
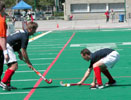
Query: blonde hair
x=32, y=25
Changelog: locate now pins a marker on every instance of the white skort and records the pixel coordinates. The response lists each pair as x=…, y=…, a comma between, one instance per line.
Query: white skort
x=11, y=53
x=111, y=59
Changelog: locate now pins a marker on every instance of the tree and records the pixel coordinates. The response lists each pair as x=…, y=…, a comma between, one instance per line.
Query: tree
x=46, y=4
x=9, y=3
x=38, y=3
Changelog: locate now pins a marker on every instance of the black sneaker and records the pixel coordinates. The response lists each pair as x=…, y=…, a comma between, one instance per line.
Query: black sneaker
x=4, y=86
x=93, y=87
x=110, y=83
x=12, y=87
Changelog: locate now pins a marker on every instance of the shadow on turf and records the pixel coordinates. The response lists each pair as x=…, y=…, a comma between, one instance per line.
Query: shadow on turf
x=121, y=85
x=50, y=87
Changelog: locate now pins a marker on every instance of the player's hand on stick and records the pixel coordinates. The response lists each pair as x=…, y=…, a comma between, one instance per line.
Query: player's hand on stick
x=80, y=83
x=31, y=67
x=20, y=57
x=70, y=84
x=93, y=84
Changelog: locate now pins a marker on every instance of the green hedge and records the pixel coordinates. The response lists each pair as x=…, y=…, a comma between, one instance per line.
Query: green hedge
x=58, y=13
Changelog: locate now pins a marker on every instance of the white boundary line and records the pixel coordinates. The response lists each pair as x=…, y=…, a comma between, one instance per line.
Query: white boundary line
x=14, y=93
x=25, y=80
x=40, y=59
x=27, y=71
x=38, y=36
x=35, y=64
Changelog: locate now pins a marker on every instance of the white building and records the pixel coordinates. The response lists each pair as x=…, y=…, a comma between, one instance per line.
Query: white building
x=95, y=9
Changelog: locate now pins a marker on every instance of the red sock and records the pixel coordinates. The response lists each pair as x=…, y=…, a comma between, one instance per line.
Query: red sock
x=108, y=75
x=8, y=75
x=97, y=71
x=8, y=82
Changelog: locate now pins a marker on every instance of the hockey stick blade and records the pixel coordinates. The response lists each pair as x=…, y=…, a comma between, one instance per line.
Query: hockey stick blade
x=47, y=81
x=38, y=73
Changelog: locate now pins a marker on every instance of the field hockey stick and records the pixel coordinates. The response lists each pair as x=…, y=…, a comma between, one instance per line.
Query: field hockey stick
x=38, y=73
x=70, y=84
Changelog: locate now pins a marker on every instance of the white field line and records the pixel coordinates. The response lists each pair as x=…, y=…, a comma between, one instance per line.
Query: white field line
x=13, y=93
x=35, y=64
x=115, y=30
x=93, y=44
x=44, y=54
x=42, y=48
x=40, y=59
x=107, y=30
x=100, y=44
x=96, y=46
x=51, y=39
x=126, y=43
x=47, y=42
x=36, y=37
x=46, y=45
x=28, y=71
x=24, y=80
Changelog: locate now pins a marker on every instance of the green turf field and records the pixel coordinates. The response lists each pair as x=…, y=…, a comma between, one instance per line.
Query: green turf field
x=69, y=67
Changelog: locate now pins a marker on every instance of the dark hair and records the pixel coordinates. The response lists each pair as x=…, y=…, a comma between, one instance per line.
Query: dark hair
x=2, y=5
x=85, y=51
x=32, y=25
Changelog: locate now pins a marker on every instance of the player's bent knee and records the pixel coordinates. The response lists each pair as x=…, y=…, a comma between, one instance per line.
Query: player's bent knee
x=13, y=65
x=98, y=64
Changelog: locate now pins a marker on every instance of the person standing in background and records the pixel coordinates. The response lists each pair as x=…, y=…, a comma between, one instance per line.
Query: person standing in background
x=107, y=16
x=112, y=15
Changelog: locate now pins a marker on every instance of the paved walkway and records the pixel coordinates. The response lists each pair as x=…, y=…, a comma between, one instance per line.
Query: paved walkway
x=45, y=25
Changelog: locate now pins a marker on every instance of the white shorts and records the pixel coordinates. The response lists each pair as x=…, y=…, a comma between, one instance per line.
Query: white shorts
x=111, y=59
x=12, y=56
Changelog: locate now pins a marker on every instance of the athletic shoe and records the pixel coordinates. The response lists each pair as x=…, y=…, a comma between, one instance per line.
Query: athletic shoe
x=96, y=87
x=4, y=86
x=93, y=87
x=110, y=83
x=12, y=87
x=100, y=87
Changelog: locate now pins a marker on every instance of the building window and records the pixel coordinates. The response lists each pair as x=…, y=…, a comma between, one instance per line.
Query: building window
x=79, y=8
x=117, y=6
x=97, y=7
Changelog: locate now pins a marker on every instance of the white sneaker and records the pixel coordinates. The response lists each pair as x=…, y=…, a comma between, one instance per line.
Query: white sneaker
x=96, y=87
x=4, y=86
x=100, y=87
